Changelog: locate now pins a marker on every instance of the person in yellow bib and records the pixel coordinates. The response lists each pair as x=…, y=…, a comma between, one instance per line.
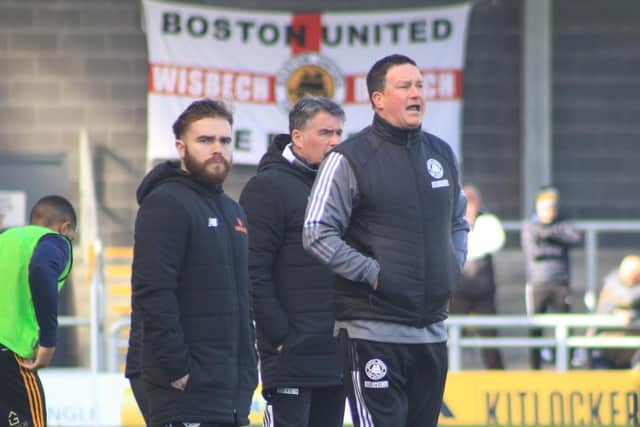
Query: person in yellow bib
x=35, y=260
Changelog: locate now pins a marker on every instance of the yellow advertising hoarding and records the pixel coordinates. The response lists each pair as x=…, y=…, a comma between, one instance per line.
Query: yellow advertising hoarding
x=514, y=398
x=528, y=398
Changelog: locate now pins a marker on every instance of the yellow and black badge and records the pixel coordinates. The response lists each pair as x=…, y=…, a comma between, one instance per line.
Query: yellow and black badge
x=308, y=74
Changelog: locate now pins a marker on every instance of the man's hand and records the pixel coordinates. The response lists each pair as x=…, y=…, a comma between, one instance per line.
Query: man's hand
x=42, y=359
x=180, y=383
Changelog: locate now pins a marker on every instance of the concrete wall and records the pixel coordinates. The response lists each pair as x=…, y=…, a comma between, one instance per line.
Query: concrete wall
x=596, y=106
x=65, y=65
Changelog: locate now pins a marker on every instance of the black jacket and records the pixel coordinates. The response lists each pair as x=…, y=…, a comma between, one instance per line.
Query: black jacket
x=408, y=193
x=292, y=292
x=191, y=291
x=134, y=351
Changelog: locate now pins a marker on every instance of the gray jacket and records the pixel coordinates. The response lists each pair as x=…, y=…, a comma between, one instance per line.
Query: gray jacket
x=546, y=249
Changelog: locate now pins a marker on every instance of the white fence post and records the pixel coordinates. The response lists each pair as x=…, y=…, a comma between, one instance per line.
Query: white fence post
x=455, y=352
x=562, y=352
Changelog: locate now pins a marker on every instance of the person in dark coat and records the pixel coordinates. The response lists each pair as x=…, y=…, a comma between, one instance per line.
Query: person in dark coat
x=475, y=292
x=191, y=282
x=293, y=292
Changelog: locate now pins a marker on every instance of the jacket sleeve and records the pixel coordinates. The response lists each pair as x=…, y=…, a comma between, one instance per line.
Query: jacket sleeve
x=266, y=220
x=486, y=237
x=333, y=196
x=460, y=229
x=48, y=262
x=161, y=236
x=562, y=233
x=529, y=240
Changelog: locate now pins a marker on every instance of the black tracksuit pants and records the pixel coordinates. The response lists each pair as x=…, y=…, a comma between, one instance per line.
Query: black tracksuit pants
x=304, y=407
x=394, y=385
x=21, y=395
x=545, y=298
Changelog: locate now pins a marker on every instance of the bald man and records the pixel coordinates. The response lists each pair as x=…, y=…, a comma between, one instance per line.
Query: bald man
x=620, y=295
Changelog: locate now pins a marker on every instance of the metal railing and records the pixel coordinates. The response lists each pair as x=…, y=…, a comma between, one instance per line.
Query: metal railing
x=592, y=231
x=68, y=321
x=116, y=343
x=564, y=337
x=562, y=325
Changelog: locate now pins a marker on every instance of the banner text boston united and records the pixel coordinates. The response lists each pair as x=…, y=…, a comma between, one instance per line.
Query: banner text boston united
x=270, y=33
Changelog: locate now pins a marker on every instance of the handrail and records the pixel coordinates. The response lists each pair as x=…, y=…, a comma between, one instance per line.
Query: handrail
x=115, y=343
x=562, y=324
x=563, y=339
x=73, y=321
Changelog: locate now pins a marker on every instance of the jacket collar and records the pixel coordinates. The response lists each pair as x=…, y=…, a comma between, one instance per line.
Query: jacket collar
x=297, y=161
x=393, y=134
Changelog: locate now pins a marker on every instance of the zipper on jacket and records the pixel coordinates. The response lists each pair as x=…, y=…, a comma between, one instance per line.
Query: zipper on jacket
x=417, y=178
x=230, y=247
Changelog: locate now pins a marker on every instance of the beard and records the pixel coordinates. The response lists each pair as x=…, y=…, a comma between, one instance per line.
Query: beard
x=211, y=172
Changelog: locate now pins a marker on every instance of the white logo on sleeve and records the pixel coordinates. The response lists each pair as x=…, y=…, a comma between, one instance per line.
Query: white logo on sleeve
x=376, y=370
x=213, y=222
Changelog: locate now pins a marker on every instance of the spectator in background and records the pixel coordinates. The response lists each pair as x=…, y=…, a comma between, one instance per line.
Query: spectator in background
x=620, y=295
x=292, y=291
x=35, y=261
x=546, y=241
x=475, y=292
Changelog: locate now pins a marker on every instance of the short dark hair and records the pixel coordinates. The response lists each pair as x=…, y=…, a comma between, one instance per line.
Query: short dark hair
x=52, y=210
x=308, y=106
x=378, y=73
x=201, y=109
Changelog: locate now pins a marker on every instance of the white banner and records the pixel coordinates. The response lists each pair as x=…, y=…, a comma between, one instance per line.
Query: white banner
x=13, y=208
x=262, y=62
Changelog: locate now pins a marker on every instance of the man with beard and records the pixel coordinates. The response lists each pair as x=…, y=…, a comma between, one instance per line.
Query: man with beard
x=386, y=213
x=192, y=333
x=292, y=291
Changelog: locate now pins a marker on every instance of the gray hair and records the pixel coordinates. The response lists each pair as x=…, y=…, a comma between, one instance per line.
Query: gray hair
x=308, y=106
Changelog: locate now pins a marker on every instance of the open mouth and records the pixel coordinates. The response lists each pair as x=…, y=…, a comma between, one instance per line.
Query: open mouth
x=415, y=107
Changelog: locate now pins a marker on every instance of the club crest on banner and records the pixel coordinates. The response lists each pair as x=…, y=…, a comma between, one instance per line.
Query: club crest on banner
x=308, y=74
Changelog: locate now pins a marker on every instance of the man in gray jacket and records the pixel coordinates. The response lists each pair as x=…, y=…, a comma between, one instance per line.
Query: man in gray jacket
x=546, y=240
x=386, y=213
